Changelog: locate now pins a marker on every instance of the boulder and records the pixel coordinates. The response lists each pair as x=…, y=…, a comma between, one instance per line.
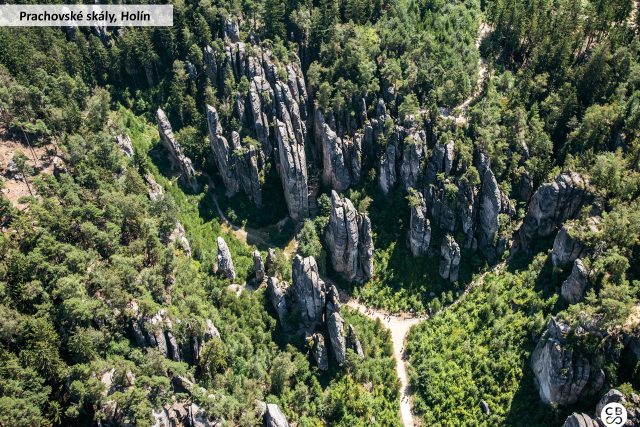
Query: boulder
x=309, y=292
x=561, y=376
x=573, y=288
x=178, y=159
x=419, y=228
x=484, y=406
x=225, y=263
x=335, y=325
x=349, y=240
x=179, y=237
x=612, y=396
x=552, y=204
x=566, y=248
x=580, y=420
x=274, y=417
x=319, y=351
x=450, y=261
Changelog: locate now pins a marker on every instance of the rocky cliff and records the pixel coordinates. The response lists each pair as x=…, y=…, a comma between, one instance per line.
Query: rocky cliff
x=178, y=159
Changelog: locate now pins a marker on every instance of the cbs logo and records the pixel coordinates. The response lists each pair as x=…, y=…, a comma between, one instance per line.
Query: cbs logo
x=613, y=415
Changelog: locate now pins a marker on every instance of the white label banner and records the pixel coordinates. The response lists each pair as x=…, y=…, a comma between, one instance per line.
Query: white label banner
x=84, y=15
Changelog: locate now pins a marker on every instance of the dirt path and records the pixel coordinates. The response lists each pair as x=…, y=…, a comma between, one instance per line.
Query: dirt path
x=399, y=327
x=462, y=109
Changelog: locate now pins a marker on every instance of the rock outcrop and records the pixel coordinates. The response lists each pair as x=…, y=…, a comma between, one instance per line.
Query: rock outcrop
x=573, y=288
x=552, y=204
x=277, y=292
x=335, y=325
x=222, y=152
x=562, y=377
x=247, y=161
x=412, y=155
x=293, y=171
x=309, y=292
x=419, y=228
x=387, y=169
x=341, y=157
x=490, y=207
x=353, y=342
x=320, y=353
x=450, y=261
x=179, y=237
x=258, y=266
x=124, y=143
x=274, y=417
x=179, y=160
x=225, y=263
x=349, y=240
x=566, y=248
x=580, y=420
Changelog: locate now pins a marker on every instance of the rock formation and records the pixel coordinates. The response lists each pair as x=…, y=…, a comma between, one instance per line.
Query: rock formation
x=349, y=240
x=412, y=156
x=179, y=237
x=124, y=143
x=293, y=171
x=222, y=152
x=573, y=288
x=552, y=204
x=274, y=417
x=309, y=292
x=450, y=261
x=182, y=162
x=258, y=266
x=248, y=171
x=490, y=207
x=562, y=377
x=387, y=169
x=335, y=325
x=225, y=263
x=420, y=227
x=320, y=353
x=277, y=291
x=580, y=420
x=353, y=342
x=569, y=245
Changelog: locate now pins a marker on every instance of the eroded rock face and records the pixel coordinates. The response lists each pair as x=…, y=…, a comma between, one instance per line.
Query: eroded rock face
x=420, y=228
x=182, y=162
x=320, y=353
x=450, y=261
x=274, y=417
x=277, y=291
x=580, y=420
x=293, y=171
x=490, y=207
x=412, y=156
x=573, y=288
x=353, y=342
x=258, y=266
x=247, y=161
x=125, y=144
x=222, y=152
x=335, y=325
x=349, y=241
x=179, y=237
x=561, y=376
x=611, y=396
x=566, y=249
x=554, y=203
x=309, y=291
x=225, y=263
x=387, y=169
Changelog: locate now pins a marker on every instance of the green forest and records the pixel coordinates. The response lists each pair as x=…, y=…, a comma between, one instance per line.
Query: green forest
x=323, y=213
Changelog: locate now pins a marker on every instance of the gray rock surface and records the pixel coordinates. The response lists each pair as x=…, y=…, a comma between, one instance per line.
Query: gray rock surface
x=277, y=291
x=412, y=156
x=566, y=248
x=611, y=396
x=124, y=143
x=580, y=420
x=179, y=160
x=341, y=157
x=320, y=353
x=258, y=266
x=309, y=292
x=560, y=375
x=387, y=169
x=353, y=342
x=450, y=259
x=225, y=263
x=335, y=325
x=573, y=288
x=349, y=241
x=274, y=417
x=179, y=237
x=490, y=207
x=222, y=152
x=419, y=228
x=248, y=171
x=552, y=204
x=293, y=171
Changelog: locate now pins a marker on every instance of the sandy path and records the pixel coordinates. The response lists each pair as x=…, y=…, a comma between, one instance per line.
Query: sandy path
x=399, y=327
